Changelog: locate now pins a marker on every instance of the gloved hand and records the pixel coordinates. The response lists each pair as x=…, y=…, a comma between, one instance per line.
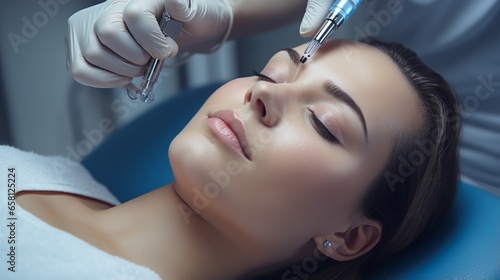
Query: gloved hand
x=314, y=16
x=110, y=43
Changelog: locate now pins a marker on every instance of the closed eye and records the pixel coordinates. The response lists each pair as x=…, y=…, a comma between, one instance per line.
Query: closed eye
x=263, y=77
x=322, y=130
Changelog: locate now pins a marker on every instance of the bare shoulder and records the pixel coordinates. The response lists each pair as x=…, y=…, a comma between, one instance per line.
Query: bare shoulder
x=58, y=208
x=74, y=214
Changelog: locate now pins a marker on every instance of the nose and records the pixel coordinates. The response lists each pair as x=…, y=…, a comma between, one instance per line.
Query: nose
x=268, y=101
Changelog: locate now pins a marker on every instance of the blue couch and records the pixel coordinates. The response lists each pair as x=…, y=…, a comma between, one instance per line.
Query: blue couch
x=134, y=160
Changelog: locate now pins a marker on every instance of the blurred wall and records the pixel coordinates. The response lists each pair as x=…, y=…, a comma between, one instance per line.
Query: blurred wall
x=35, y=81
x=44, y=110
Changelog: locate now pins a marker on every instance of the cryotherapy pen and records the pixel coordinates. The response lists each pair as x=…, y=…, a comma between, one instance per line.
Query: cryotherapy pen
x=340, y=11
x=170, y=27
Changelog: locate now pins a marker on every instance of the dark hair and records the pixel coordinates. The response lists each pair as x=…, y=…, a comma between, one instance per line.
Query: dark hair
x=418, y=186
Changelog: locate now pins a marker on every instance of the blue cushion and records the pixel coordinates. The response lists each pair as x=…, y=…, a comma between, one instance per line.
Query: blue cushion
x=466, y=245
x=134, y=159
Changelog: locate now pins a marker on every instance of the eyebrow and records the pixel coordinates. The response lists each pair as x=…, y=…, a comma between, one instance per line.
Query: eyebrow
x=335, y=91
x=294, y=55
x=340, y=94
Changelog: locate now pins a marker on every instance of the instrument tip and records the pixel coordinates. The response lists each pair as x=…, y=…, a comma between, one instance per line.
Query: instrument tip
x=303, y=59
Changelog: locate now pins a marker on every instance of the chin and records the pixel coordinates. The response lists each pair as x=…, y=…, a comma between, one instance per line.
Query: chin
x=193, y=156
x=188, y=152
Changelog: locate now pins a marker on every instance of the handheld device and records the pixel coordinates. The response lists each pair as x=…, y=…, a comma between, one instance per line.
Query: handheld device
x=340, y=12
x=170, y=27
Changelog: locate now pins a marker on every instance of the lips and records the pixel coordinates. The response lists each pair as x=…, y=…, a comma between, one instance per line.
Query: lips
x=229, y=128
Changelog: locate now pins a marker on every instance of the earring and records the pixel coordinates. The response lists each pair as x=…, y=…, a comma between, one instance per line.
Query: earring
x=327, y=244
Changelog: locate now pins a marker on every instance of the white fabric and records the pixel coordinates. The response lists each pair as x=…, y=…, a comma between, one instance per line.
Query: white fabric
x=45, y=252
x=461, y=41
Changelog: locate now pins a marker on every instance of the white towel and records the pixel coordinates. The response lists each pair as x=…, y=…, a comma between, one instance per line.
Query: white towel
x=32, y=249
x=53, y=173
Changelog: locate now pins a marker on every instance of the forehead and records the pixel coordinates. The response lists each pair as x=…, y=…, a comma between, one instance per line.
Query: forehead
x=371, y=78
x=345, y=61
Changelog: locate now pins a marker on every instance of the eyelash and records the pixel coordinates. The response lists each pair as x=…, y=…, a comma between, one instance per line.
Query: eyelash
x=263, y=77
x=318, y=125
x=322, y=130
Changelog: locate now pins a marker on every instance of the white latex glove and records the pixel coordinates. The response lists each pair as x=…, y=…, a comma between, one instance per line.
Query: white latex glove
x=110, y=43
x=314, y=16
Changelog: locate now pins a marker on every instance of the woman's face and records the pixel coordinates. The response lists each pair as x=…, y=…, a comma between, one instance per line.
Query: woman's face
x=279, y=160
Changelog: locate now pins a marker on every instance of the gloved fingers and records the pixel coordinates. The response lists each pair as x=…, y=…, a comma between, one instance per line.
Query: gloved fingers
x=205, y=22
x=80, y=36
x=102, y=57
x=89, y=75
x=141, y=19
x=95, y=75
x=182, y=10
x=113, y=33
x=314, y=16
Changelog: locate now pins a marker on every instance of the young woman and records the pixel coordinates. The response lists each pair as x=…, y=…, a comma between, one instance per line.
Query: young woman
x=353, y=155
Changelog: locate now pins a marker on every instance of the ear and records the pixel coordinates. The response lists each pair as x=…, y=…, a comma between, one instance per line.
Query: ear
x=352, y=243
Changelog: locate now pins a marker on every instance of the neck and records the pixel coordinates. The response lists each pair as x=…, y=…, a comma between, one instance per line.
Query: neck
x=153, y=230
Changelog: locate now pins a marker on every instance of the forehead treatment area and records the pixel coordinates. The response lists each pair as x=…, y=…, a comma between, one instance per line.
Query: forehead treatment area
x=366, y=79
x=277, y=159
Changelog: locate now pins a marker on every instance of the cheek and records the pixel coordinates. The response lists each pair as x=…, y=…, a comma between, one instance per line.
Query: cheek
x=189, y=153
x=295, y=181
x=304, y=171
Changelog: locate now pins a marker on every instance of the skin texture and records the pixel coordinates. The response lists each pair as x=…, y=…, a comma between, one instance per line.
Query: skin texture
x=295, y=178
x=228, y=215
